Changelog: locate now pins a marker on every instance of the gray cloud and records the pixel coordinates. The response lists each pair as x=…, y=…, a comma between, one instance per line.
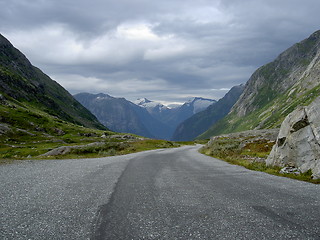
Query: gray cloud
x=163, y=50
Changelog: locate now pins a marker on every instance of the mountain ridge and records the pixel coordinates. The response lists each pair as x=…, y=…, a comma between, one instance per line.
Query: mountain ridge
x=117, y=114
x=276, y=89
x=23, y=82
x=143, y=116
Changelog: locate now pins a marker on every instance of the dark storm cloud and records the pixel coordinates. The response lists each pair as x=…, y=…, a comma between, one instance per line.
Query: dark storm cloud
x=163, y=50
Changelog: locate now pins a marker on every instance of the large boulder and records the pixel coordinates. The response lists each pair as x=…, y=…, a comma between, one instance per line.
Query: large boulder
x=298, y=142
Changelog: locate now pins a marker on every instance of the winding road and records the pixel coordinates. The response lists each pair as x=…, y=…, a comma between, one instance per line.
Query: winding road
x=160, y=194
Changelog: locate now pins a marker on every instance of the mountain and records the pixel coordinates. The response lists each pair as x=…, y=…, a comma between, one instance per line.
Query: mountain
x=121, y=115
x=276, y=89
x=155, y=109
x=143, y=117
x=151, y=106
x=30, y=88
x=117, y=114
x=201, y=121
x=174, y=116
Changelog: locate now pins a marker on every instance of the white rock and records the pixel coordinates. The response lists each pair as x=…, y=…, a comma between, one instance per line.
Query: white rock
x=298, y=142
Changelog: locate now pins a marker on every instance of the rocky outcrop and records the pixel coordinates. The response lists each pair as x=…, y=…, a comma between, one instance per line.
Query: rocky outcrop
x=251, y=146
x=298, y=142
x=4, y=128
x=63, y=150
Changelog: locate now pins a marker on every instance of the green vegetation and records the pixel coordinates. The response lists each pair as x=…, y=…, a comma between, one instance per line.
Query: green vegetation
x=26, y=84
x=249, y=153
x=267, y=117
x=275, y=90
x=27, y=132
x=37, y=115
x=113, y=147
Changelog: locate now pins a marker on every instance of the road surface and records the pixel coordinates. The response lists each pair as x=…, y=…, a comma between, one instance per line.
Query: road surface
x=159, y=194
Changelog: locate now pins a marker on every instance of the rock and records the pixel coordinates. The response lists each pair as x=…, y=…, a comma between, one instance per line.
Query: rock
x=126, y=136
x=250, y=136
x=59, y=131
x=4, y=128
x=245, y=141
x=103, y=136
x=39, y=129
x=2, y=98
x=88, y=134
x=67, y=149
x=292, y=170
x=25, y=132
x=298, y=142
x=58, y=151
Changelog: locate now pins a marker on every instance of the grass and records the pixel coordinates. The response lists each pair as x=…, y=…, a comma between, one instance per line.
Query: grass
x=114, y=147
x=270, y=114
x=249, y=154
x=13, y=150
x=33, y=132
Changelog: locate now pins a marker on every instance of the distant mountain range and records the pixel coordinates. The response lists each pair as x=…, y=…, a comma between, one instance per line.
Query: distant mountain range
x=122, y=115
x=174, y=116
x=143, y=117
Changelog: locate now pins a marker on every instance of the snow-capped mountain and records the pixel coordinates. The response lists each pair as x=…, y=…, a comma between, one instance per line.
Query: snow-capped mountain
x=143, y=117
x=199, y=104
x=150, y=106
x=172, y=117
x=121, y=115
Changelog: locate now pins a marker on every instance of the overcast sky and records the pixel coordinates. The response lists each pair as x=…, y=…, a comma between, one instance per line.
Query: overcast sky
x=168, y=50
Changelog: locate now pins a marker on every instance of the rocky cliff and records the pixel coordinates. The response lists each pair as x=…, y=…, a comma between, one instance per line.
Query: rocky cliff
x=276, y=89
x=298, y=142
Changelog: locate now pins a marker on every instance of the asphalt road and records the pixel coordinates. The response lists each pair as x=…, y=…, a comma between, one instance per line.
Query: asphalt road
x=160, y=194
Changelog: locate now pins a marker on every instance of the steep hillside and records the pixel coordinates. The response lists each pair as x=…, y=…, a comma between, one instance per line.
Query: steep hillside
x=28, y=85
x=201, y=121
x=121, y=115
x=276, y=89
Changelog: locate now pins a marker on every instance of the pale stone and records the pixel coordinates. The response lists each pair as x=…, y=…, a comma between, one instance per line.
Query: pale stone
x=298, y=142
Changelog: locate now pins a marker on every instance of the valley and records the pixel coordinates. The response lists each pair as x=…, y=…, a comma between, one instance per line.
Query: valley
x=143, y=117
x=38, y=115
x=159, y=120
